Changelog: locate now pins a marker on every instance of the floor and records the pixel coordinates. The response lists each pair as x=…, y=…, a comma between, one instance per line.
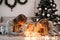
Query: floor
x=27, y=38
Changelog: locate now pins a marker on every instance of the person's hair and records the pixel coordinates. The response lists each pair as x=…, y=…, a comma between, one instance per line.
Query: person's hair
x=45, y=23
x=30, y=24
x=20, y=17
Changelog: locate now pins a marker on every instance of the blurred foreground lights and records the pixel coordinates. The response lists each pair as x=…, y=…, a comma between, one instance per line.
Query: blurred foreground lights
x=42, y=38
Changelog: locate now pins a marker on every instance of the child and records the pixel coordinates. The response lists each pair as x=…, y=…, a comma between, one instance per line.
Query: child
x=14, y=26
x=42, y=27
x=30, y=29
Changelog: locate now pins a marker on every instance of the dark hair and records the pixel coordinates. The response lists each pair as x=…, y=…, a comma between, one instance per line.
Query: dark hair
x=20, y=17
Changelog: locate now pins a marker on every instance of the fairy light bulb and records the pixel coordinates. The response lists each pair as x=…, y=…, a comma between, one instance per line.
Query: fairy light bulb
x=50, y=4
x=56, y=12
x=45, y=8
x=58, y=18
x=39, y=8
x=49, y=9
x=43, y=14
x=58, y=22
x=48, y=15
x=50, y=0
x=53, y=5
x=54, y=23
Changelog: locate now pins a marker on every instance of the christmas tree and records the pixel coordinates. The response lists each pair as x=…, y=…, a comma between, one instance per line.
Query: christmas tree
x=46, y=10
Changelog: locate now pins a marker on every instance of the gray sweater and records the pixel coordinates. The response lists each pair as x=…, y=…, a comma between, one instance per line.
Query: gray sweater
x=9, y=27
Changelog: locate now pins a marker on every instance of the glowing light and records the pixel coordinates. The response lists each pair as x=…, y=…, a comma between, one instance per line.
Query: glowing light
x=32, y=34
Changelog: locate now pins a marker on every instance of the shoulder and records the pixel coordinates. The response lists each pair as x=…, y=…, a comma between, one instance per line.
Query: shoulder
x=10, y=21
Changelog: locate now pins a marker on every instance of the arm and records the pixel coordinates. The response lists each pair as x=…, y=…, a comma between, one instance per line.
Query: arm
x=9, y=26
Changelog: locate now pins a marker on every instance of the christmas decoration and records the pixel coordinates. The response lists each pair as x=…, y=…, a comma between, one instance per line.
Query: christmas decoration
x=47, y=9
x=22, y=2
x=9, y=5
x=1, y=2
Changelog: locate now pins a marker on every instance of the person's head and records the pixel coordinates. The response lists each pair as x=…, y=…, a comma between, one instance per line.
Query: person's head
x=20, y=19
x=30, y=26
x=44, y=23
x=43, y=27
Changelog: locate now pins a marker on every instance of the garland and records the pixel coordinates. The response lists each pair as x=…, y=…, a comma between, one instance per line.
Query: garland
x=1, y=1
x=22, y=2
x=11, y=6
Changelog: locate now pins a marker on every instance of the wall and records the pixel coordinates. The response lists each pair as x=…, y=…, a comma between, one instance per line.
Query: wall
x=27, y=9
x=58, y=6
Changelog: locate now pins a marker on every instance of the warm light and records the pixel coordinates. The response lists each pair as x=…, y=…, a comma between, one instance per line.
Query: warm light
x=37, y=32
x=40, y=29
x=29, y=30
x=41, y=38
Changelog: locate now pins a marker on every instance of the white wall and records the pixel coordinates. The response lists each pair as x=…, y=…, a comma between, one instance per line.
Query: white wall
x=27, y=9
x=58, y=6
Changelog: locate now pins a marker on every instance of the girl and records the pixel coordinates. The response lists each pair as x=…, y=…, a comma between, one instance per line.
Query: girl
x=30, y=29
x=42, y=27
x=14, y=26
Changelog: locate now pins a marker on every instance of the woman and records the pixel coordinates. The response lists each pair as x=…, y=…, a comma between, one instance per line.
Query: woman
x=15, y=25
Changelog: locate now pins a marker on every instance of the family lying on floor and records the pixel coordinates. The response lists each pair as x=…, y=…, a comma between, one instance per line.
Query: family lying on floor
x=16, y=26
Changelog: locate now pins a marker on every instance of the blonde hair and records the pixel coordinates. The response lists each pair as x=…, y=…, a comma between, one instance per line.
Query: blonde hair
x=31, y=24
x=43, y=26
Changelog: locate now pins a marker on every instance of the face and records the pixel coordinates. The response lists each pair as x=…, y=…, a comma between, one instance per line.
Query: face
x=21, y=23
x=30, y=27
